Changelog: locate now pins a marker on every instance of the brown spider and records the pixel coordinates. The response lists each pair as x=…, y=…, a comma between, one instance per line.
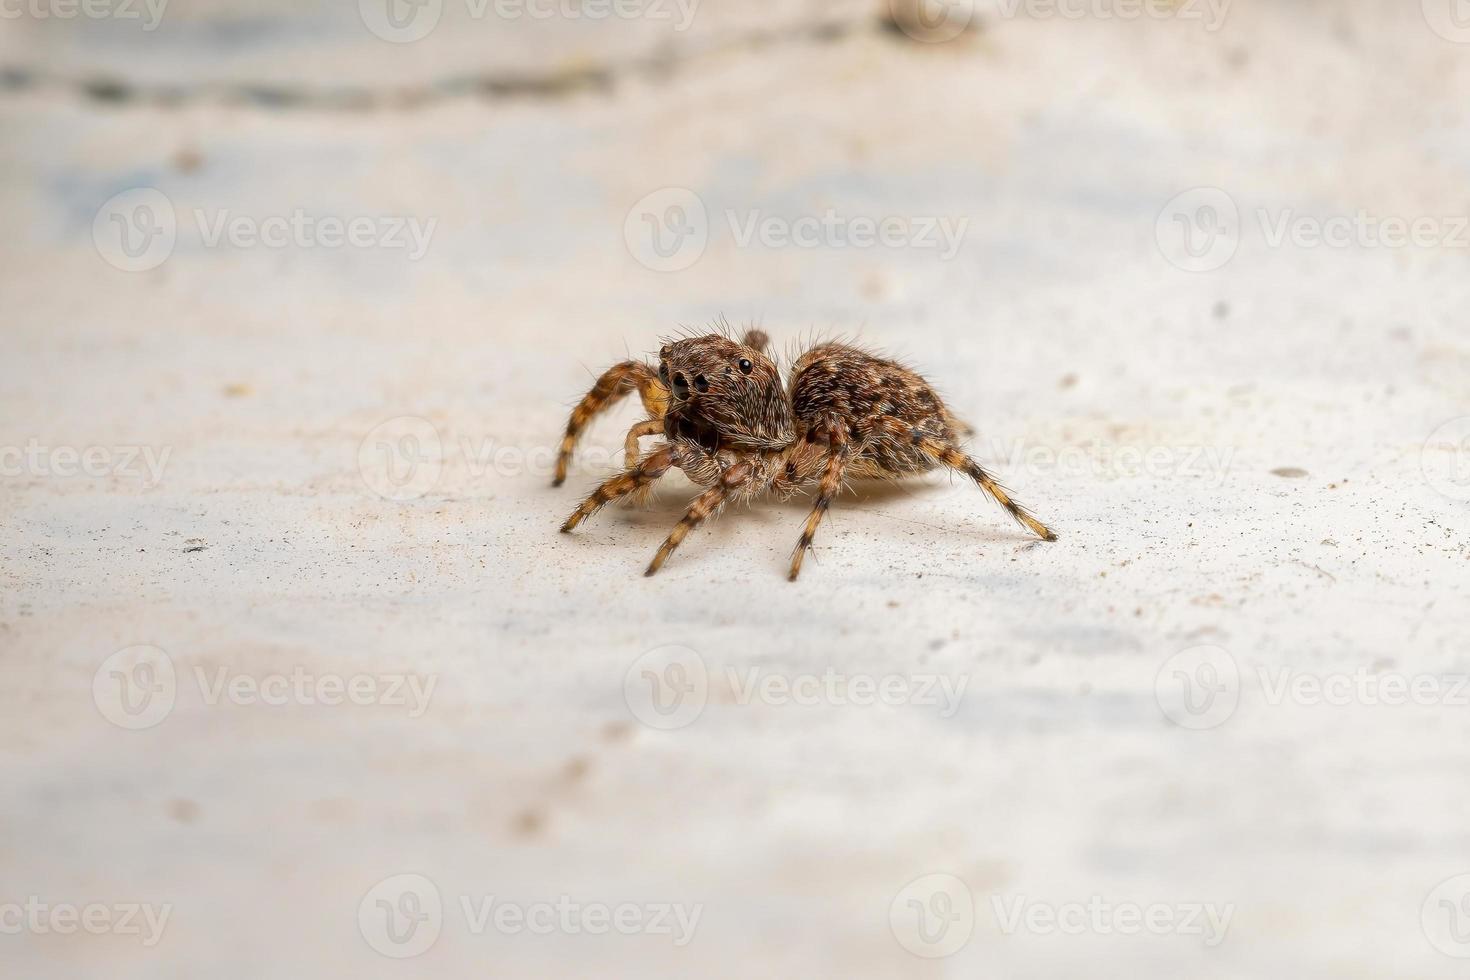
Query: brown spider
x=735, y=430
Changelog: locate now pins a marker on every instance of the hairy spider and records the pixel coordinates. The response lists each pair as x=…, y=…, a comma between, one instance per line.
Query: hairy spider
x=737, y=432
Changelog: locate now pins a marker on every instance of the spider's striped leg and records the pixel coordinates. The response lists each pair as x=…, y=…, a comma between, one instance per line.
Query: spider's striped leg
x=948, y=454
x=615, y=382
x=651, y=427
x=735, y=481
x=839, y=453
x=635, y=478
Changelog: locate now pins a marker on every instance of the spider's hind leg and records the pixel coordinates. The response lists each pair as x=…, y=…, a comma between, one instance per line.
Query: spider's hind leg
x=946, y=453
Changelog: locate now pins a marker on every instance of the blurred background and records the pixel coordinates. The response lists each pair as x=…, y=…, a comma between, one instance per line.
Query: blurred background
x=295, y=298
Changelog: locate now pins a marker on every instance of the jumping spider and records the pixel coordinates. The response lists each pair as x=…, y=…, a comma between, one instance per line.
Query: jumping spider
x=735, y=430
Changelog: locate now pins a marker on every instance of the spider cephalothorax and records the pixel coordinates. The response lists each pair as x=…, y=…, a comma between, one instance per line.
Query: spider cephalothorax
x=735, y=431
x=724, y=393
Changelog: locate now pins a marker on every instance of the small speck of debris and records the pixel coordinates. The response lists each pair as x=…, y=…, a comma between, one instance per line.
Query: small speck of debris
x=184, y=811
x=188, y=160
x=1329, y=542
x=1067, y=381
x=194, y=544
x=529, y=823
x=237, y=390
x=1222, y=310
x=1290, y=472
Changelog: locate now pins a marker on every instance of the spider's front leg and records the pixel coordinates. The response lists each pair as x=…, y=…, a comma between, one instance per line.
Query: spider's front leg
x=741, y=479
x=635, y=478
x=615, y=382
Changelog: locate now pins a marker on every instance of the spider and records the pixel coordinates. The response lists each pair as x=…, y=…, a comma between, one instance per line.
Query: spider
x=737, y=432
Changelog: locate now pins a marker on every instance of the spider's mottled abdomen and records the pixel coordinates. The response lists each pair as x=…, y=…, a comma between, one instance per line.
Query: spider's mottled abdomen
x=838, y=381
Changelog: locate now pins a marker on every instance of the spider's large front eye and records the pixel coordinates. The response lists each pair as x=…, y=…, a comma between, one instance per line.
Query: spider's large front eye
x=745, y=366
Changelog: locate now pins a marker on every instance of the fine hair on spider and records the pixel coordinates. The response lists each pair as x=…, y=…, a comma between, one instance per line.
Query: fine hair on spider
x=738, y=431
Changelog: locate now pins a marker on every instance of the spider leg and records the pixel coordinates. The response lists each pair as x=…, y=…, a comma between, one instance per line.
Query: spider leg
x=948, y=454
x=631, y=480
x=615, y=382
x=708, y=504
x=651, y=427
x=837, y=460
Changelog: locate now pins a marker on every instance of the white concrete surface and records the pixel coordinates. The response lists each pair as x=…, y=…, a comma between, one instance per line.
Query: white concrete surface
x=1242, y=459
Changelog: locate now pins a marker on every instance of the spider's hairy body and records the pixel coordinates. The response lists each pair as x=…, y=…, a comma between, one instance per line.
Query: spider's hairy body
x=729, y=423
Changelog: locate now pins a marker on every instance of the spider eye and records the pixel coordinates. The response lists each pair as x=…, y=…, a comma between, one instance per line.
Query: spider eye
x=745, y=366
x=663, y=373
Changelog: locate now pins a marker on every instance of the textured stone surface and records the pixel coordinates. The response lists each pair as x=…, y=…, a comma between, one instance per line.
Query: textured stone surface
x=1233, y=458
